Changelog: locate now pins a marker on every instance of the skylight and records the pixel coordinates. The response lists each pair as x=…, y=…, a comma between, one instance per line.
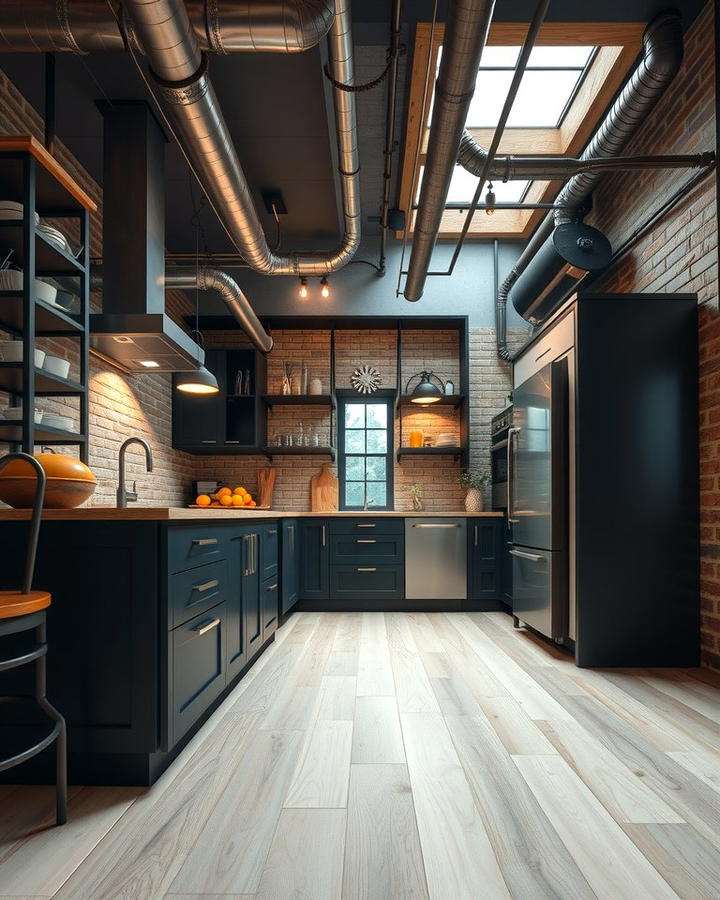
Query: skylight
x=548, y=86
x=463, y=184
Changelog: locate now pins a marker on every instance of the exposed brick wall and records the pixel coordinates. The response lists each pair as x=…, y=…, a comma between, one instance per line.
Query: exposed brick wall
x=119, y=406
x=679, y=255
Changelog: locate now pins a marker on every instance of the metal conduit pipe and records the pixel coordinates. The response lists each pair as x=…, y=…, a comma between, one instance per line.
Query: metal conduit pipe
x=553, y=168
x=465, y=36
x=662, y=55
x=191, y=105
x=205, y=278
x=220, y=26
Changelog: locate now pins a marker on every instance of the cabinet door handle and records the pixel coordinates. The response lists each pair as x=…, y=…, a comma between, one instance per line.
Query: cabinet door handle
x=532, y=557
x=272, y=531
x=435, y=525
x=324, y=535
x=291, y=528
x=204, y=542
x=201, y=588
x=475, y=530
x=253, y=544
x=206, y=626
x=367, y=568
x=272, y=587
x=366, y=541
x=208, y=442
x=246, y=554
x=373, y=525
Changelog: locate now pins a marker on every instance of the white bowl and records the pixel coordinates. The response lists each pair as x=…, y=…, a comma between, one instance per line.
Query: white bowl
x=14, y=414
x=12, y=351
x=56, y=365
x=12, y=280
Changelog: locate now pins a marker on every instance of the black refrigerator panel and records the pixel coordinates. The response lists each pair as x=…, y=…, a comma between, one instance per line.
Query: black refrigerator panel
x=538, y=460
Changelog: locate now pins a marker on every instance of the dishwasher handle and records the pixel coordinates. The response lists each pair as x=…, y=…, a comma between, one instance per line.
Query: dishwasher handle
x=437, y=525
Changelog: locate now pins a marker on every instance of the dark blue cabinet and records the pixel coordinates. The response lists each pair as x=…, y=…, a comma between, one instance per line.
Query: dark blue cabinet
x=314, y=556
x=290, y=546
x=250, y=587
x=485, y=562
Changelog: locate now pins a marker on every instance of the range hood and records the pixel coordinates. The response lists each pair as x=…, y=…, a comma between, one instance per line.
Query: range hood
x=133, y=330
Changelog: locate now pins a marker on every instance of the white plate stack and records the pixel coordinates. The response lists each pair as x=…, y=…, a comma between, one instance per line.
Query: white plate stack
x=56, y=421
x=446, y=440
x=9, y=209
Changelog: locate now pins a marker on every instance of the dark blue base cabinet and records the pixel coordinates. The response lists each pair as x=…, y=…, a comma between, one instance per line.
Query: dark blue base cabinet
x=359, y=564
x=151, y=625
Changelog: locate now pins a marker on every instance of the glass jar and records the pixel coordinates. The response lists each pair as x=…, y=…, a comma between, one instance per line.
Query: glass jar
x=416, y=438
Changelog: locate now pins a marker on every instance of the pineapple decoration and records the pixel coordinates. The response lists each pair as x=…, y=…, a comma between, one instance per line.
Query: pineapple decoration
x=365, y=379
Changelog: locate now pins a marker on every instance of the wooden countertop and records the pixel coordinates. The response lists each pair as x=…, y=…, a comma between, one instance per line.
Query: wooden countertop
x=180, y=514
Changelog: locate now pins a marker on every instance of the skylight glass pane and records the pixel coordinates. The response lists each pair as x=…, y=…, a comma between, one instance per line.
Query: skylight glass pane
x=558, y=57
x=499, y=56
x=540, y=101
x=463, y=184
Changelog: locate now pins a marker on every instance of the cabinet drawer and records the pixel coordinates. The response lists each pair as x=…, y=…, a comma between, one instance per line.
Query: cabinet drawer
x=371, y=548
x=367, y=526
x=190, y=547
x=196, y=590
x=197, y=668
x=269, y=551
x=366, y=582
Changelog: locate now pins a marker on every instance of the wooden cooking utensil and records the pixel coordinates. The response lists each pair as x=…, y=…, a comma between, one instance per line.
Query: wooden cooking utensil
x=266, y=486
x=324, y=492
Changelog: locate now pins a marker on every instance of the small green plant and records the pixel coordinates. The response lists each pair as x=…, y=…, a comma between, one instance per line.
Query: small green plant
x=416, y=489
x=476, y=480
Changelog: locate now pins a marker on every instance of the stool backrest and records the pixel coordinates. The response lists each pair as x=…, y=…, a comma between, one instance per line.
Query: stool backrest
x=35, y=518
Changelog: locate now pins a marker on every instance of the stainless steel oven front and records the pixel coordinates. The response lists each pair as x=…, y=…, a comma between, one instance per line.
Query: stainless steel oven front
x=499, y=429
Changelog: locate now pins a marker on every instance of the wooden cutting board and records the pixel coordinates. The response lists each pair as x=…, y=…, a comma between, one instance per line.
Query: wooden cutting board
x=324, y=492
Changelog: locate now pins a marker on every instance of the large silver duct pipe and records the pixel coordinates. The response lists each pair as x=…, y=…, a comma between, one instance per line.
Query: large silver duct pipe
x=662, y=55
x=553, y=168
x=205, y=278
x=191, y=105
x=465, y=36
x=220, y=26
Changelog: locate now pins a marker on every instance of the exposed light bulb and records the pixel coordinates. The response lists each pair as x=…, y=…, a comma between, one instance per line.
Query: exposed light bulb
x=303, y=288
x=324, y=287
x=490, y=200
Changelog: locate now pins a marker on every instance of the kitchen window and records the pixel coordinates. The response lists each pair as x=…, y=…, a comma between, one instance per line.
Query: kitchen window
x=365, y=451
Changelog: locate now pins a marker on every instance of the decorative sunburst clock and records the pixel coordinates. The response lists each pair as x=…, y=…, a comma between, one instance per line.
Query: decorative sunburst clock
x=365, y=379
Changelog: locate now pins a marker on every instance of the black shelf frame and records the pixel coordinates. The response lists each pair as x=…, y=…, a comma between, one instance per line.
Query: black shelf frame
x=26, y=179
x=456, y=452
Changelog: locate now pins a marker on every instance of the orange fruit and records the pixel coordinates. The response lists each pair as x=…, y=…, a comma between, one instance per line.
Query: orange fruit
x=247, y=501
x=237, y=500
x=239, y=490
x=226, y=500
x=223, y=492
x=203, y=500
x=252, y=503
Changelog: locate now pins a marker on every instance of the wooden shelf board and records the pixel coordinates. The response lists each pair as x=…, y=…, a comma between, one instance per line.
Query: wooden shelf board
x=58, y=175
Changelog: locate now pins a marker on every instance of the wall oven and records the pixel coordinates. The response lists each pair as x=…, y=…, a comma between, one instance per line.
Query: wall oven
x=499, y=429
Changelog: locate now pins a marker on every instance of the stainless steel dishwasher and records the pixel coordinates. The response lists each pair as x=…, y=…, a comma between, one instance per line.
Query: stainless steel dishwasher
x=435, y=559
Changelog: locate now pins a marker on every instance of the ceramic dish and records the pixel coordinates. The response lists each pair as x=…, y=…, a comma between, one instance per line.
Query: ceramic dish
x=12, y=280
x=56, y=421
x=12, y=351
x=56, y=365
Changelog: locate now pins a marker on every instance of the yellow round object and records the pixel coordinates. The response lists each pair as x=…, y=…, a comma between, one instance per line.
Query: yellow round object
x=203, y=500
x=69, y=482
x=239, y=490
x=237, y=500
x=226, y=500
x=55, y=465
x=223, y=492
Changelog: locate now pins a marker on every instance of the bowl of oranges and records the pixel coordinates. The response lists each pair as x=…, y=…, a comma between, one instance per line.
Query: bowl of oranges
x=227, y=498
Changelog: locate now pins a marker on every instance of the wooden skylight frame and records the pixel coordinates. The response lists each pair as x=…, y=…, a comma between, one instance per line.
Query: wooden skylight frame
x=618, y=47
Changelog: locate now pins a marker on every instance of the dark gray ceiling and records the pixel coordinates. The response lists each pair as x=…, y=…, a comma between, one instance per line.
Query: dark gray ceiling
x=276, y=110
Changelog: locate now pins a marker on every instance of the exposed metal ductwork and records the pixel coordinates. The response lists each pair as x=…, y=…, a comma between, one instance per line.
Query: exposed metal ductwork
x=553, y=168
x=205, y=278
x=162, y=28
x=662, y=56
x=465, y=36
x=220, y=26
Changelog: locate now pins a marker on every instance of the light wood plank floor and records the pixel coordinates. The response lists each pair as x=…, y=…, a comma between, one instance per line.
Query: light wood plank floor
x=403, y=757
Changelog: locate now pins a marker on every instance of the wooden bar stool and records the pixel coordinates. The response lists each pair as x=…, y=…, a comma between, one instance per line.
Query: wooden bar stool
x=21, y=611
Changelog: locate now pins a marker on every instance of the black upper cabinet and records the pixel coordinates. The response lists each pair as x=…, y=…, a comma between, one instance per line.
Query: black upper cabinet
x=234, y=419
x=314, y=559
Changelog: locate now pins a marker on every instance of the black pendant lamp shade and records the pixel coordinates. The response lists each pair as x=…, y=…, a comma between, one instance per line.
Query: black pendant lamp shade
x=201, y=381
x=426, y=391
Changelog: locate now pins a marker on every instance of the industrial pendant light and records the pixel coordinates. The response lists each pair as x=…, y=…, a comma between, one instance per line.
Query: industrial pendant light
x=202, y=380
x=425, y=391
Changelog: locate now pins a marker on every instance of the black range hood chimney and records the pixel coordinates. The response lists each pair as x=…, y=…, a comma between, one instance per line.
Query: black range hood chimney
x=133, y=330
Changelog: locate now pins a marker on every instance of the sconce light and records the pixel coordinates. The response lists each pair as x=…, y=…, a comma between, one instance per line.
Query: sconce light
x=200, y=381
x=490, y=200
x=426, y=391
x=324, y=287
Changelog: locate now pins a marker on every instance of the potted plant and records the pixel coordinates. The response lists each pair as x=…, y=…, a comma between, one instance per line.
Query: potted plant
x=416, y=494
x=474, y=482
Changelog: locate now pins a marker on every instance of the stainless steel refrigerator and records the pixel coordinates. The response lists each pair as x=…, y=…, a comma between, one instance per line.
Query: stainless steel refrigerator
x=538, y=500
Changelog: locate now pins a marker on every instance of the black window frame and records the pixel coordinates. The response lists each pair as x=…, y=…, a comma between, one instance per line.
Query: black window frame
x=387, y=397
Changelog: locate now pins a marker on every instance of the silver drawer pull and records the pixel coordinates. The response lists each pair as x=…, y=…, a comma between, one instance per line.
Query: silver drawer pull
x=208, y=442
x=434, y=525
x=204, y=542
x=533, y=557
x=206, y=626
x=367, y=569
x=205, y=586
x=272, y=531
x=373, y=525
x=273, y=587
x=366, y=541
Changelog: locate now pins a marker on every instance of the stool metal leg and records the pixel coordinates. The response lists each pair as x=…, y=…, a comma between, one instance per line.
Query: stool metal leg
x=61, y=741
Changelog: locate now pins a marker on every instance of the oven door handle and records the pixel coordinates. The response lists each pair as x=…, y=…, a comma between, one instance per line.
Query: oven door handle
x=510, y=473
x=499, y=445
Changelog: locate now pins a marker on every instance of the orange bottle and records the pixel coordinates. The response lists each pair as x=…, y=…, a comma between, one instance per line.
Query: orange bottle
x=416, y=438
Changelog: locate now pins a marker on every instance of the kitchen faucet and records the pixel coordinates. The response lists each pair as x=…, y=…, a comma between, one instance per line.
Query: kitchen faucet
x=367, y=503
x=124, y=496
